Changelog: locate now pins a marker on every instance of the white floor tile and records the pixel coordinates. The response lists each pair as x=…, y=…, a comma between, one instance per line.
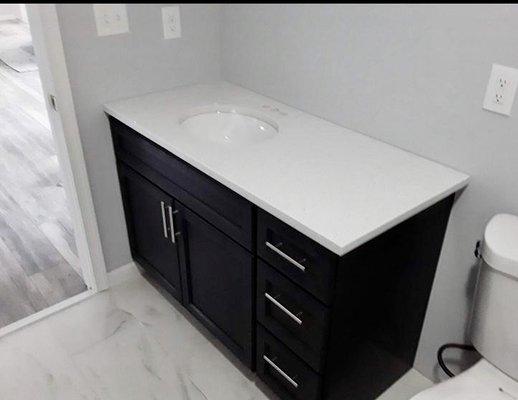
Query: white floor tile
x=130, y=364
x=34, y=366
x=130, y=343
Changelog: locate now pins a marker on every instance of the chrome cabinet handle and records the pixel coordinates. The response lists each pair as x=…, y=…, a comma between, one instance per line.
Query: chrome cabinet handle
x=171, y=223
x=285, y=256
x=280, y=371
x=281, y=307
x=164, y=223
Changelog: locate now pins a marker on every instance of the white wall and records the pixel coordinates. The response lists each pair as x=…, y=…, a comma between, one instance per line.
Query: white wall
x=413, y=76
x=112, y=67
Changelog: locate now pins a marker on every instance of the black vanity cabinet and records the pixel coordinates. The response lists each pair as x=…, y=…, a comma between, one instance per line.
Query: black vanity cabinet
x=313, y=324
x=184, y=229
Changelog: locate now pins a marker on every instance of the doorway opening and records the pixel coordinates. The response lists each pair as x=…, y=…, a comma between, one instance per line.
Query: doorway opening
x=39, y=263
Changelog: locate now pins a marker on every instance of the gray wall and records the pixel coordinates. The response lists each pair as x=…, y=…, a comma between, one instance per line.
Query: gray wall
x=112, y=67
x=413, y=76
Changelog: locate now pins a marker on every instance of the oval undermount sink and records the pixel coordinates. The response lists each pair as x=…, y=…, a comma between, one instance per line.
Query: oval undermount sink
x=229, y=125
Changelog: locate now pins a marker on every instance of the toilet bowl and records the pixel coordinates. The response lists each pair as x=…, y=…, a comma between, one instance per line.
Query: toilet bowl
x=482, y=381
x=494, y=323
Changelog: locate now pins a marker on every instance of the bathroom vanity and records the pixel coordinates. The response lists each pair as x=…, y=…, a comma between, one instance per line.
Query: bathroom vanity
x=309, y=250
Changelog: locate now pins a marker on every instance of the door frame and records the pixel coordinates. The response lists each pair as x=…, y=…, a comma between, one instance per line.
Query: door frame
x=50, y=55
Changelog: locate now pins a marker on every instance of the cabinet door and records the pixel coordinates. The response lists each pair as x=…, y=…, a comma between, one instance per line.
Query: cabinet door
x=217, y=284
x=150, y=215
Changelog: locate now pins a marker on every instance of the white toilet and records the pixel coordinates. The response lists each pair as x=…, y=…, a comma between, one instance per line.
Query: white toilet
x=494, y=324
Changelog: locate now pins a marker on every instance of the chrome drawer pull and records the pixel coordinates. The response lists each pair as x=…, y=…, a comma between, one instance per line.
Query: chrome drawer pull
x=285, y=256
x=281, y=307
x=280, y=371
x=171, y=223
x=164, y=223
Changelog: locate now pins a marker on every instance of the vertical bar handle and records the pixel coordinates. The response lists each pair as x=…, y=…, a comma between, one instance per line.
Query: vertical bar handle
x=171, y=223
x=164, y=223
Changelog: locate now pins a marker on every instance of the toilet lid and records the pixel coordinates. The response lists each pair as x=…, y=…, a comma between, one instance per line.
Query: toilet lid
x=500, y=246
x=483, y=381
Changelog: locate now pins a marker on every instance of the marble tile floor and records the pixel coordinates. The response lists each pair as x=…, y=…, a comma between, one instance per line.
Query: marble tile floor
x=131, y=343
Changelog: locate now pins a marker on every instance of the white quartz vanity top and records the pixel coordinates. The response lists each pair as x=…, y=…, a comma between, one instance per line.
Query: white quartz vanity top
x=337, y=186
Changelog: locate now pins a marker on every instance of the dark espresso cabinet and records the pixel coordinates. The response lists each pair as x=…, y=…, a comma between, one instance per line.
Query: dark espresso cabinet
x=187, y=241
x=312, y=324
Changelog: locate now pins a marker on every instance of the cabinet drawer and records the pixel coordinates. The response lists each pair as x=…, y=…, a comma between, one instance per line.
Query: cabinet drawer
x=295, y=255
x=283, y=371
x=292, y=315
x=214, y=202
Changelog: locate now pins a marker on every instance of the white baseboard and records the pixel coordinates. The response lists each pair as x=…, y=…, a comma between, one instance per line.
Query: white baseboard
x=123, y=273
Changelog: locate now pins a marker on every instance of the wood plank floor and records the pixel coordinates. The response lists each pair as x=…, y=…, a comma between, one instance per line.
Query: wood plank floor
x=38, y=262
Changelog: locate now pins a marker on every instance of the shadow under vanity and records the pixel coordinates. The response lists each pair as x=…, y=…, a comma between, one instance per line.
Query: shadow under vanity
x=312, y=323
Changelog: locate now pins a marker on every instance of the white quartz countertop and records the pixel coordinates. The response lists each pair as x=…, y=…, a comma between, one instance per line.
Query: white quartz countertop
x=337, y=186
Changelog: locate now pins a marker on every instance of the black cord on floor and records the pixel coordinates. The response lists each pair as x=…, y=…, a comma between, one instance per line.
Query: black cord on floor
x=446, y=346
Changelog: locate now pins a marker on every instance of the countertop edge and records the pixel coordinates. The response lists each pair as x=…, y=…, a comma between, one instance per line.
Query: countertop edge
x=331, y=246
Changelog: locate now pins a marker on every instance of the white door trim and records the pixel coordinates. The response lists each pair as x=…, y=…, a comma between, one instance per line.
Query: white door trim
x=37, y=316
x=116, y=277
x=48, y=46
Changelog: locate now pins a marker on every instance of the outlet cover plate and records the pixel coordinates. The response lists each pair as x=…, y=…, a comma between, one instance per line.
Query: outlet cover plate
x=111, y=19
x=501, y=89
x=171, y=22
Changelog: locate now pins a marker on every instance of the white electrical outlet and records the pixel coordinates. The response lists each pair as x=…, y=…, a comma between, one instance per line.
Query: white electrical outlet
x=171, y=22
x=501, y=89
x=111, y=19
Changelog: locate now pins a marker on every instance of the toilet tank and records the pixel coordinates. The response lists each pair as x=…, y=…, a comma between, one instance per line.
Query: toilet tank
x=494, y=324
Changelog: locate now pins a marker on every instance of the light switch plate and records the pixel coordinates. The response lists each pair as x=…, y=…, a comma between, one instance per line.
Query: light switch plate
x=171, y=22
x=501, y=89
x=111, y=19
